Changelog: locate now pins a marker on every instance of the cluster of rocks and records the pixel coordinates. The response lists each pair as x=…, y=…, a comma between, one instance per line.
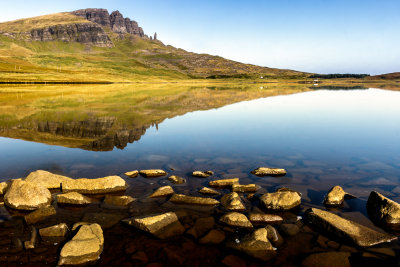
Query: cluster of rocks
x=262, y=227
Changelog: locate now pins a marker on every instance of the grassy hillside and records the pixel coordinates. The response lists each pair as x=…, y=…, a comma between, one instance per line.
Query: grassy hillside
x=131, y=59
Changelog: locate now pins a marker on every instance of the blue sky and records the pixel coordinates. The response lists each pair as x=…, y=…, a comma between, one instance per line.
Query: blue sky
x=335, y=36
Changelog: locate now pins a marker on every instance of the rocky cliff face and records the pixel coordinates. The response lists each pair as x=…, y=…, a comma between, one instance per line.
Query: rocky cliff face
x=115, y=21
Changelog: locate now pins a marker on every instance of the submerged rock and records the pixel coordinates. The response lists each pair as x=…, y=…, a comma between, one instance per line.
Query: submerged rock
x=103, y=185
x=224, y=182
x=104, y=219
x=85, y=247
x=289, y=229
x=132, y=174
x=55, y=231
x=160, y=225
x=346, y=229
x=261, y=218
x=327, y=259
x=274, y=236
x=73, y=198
x=163, y=192
x=39, y=214
x=255, y=245
x=335, y=196
x=47, y=179
x=383, y=210
x=208, y=191
x=241, y=188
x=236, y=219
x=176, y=179
x=281, y=200
x=201, y=226
x=202, y=174
x=264, y=171
x=203, y=201
x=152, y=173
x=31, y=243
x=122, y=201
x=213, y=237
x=24, y=195
x=232, y=201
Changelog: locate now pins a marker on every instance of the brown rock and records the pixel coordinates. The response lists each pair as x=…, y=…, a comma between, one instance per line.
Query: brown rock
x=132, y=174
x=208, y=191
x=346, y=229
x=161, y=225
x=236, y=219
x=327, y=259
x=85, y=247
x=281, y=200
x=24, y=195
x=152, y=173
x=202, y=174
x=289, y=229
x=202, y=201
x=213, y=237
x=73, y=198
x=335, y=196
x=261, y=218
x=59, y=230
x=383, y=210
x=47, y=179
x=234, y=261
x=274, y=236
x=103, y=185
x=140, y=257
x=241, y=188
x=39, y=214
x=264, y=171
x=162, y=192
x=232, y=202
x=30, y=244
x=122, y=201
x=224, y=182
x=201, y=226
x=176, y=179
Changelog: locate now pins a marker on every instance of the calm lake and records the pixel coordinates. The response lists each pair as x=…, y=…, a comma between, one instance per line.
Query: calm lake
x=321, y=137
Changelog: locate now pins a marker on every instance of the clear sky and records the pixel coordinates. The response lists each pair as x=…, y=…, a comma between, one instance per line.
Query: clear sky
x=324, y=36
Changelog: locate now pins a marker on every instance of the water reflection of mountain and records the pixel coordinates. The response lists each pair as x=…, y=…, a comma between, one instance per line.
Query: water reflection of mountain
x=102, y=117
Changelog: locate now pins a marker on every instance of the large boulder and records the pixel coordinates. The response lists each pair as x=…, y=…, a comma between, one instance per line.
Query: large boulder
x=383, y=210
x=281, y=200
x=335, y=196
x=160, y=225
x=73, y=198
x=201, y=201
x=85, y=247
x=23, y=195
x=265, y=171
x=255, y=245
x=103, y=185
x=232, y=202
x=47, y=179
x=346, y=229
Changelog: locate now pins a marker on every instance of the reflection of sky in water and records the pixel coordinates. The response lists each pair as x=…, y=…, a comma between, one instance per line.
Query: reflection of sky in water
x=330, y=129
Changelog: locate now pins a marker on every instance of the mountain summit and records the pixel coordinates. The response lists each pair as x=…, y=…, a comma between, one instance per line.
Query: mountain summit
x=92, y=45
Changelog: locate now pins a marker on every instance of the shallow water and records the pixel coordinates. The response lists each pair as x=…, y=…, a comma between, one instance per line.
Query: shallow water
x=322, y=138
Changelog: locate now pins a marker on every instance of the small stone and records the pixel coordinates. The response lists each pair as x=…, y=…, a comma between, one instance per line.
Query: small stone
x=213, y=237
x=335, y=196
x=122, y=201
x=383, y=210
x=176, y=179
x=3, y=187
x=260, y=218
x=140, y=257
x=274, y=236
x=160, y=225
x=234, y=261
x=39, y=214
x=153, y=173
x=59, y=230
x=47, y=179
x=202, y=174
x=264, y=171
x=85, y=247
x=73, y=198
x=162, y=192
x=32, y=242
x=289, y=229
x=202, y=201
x=281, y=200
x=208, y=191
x=255, y=245
x=236, y=219
x=132, y=174
x=327, y=259
x=201, y=226
x=22, y=195
x=224, y=182
x=249, y=188
x=109, y=184
x=232, y=202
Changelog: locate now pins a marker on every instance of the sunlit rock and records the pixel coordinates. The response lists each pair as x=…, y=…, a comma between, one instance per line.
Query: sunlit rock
x=236, y=219
x=208, y=191
x=281, y=200
x=103, y=185
x=153, y=173
x=55, y=231
x=176, y=179
x=260, y=218
x=202, y=174
x=73, y=198
x=40, y=214
x=4, y=187
x=47, y=179
x=24, y=195
x=274, y=236
x=383, y=210
x=335, y=196
x=122, y=201
x=224, y=182
x=162, y=192
x=264, y=171
x=202, y=201
x=132, y=174
x=241, y=188
x=232, y=202
x=85, y=247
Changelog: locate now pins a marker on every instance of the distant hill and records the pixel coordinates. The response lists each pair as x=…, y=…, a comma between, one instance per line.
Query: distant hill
x=91, y=45
x=388, y=76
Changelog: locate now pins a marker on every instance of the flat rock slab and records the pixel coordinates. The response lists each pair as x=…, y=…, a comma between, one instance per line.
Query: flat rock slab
x=23, y=195
x=202, y=201
x=265, y=171
x=383, y=210
x=223, y=182
x=202, y=174
x=103, y=185
x=160, y=225
x=162, y=192
x=255, y=245
x=85, y=247
x=208, y=191
x=241, y=188
x=40, y=214
x=176, y=179
x=47, y=179
x=73, y=198
x=260, y=218
x=232, y=202
x=132, y=174
x=346, y=229
x=153, y=173
x=59, y=230
x=121, y=201
x=236, y=219
x=282, y=200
